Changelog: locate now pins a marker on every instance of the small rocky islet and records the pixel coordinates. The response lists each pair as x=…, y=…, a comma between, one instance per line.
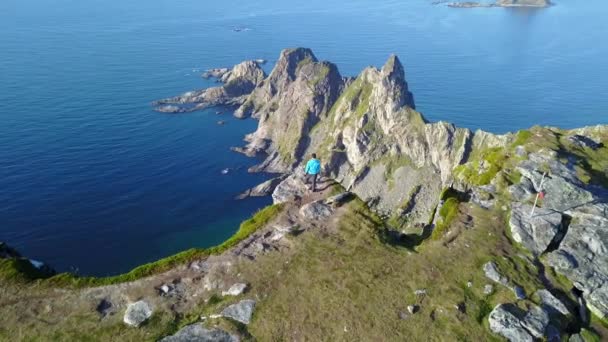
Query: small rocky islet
x=500, y=3
x=420, y=230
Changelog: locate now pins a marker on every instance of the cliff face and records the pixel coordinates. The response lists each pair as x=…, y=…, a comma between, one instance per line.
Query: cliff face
x=297, y=95
x=366, y=131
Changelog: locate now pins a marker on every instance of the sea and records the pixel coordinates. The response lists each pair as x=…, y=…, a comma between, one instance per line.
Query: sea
x=93, y=181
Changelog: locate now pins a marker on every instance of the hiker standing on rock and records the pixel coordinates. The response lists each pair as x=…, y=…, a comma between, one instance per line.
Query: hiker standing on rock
x=313, y=167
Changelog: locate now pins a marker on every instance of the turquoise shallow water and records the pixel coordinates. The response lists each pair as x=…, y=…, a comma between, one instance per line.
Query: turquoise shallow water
x=92, y=180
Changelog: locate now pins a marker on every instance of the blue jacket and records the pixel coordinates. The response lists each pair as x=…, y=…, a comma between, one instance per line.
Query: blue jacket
x=313, y=167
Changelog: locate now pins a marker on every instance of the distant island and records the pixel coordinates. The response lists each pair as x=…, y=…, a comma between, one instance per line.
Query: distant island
x=501, y=3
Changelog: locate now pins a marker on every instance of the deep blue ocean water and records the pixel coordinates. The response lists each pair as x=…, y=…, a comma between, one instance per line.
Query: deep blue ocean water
x=91, y=179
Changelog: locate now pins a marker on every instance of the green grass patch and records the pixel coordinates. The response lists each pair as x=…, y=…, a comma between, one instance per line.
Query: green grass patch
x=491, y=160
x=590, y=336
x=320, y=75
x=521, y=138
x=447, y=213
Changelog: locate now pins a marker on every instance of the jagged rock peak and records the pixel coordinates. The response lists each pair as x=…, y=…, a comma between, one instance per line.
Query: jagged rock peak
x=290, y=59
x=394, y=73
x=393, y=69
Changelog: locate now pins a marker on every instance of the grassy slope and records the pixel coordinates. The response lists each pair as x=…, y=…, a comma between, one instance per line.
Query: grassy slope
x=34, y=310
x=360, y=284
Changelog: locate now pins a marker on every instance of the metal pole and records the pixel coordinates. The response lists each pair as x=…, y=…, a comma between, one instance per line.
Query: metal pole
x=540, y=189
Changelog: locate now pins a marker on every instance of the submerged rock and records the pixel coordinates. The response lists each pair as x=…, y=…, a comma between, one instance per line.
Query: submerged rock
x=137, y=313
x=196, y=332
x=241, y=311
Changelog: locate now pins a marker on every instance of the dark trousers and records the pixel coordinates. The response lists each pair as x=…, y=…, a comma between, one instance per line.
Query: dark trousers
x=314, y=181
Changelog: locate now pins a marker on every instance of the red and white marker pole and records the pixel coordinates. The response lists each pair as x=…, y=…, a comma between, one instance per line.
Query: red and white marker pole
x=539, y=194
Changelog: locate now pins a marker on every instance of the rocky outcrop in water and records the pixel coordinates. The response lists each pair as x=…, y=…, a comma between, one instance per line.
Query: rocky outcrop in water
x=238, y=82
x=501, y=3
x=36, y=269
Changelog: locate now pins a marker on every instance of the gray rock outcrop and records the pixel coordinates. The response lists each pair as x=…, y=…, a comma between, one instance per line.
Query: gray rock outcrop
x=264, y=189
x=290, y=189
x=537, y=231
x=580, y=249
x=491, y=271
x=515, y=324
x=196, y=332
x=241, y=311
x=316, y=210
x=582, y=255
x=551, y=304
x=137, y=313
x=238, y=83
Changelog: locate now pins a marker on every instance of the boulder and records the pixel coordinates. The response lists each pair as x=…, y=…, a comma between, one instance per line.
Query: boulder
x=196, y=332
x=491, y=271
x=137, y=313
x=505, y=320
x=515, y=324
x=488, y=289
x=289, y=189
x=551, y=304
x=241, y=311
x=316, y=210
x=534, y=232
x=235, y=290
x=536, y=321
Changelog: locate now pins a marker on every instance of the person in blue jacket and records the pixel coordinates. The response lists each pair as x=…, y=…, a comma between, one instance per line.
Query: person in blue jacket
x=312, y=170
